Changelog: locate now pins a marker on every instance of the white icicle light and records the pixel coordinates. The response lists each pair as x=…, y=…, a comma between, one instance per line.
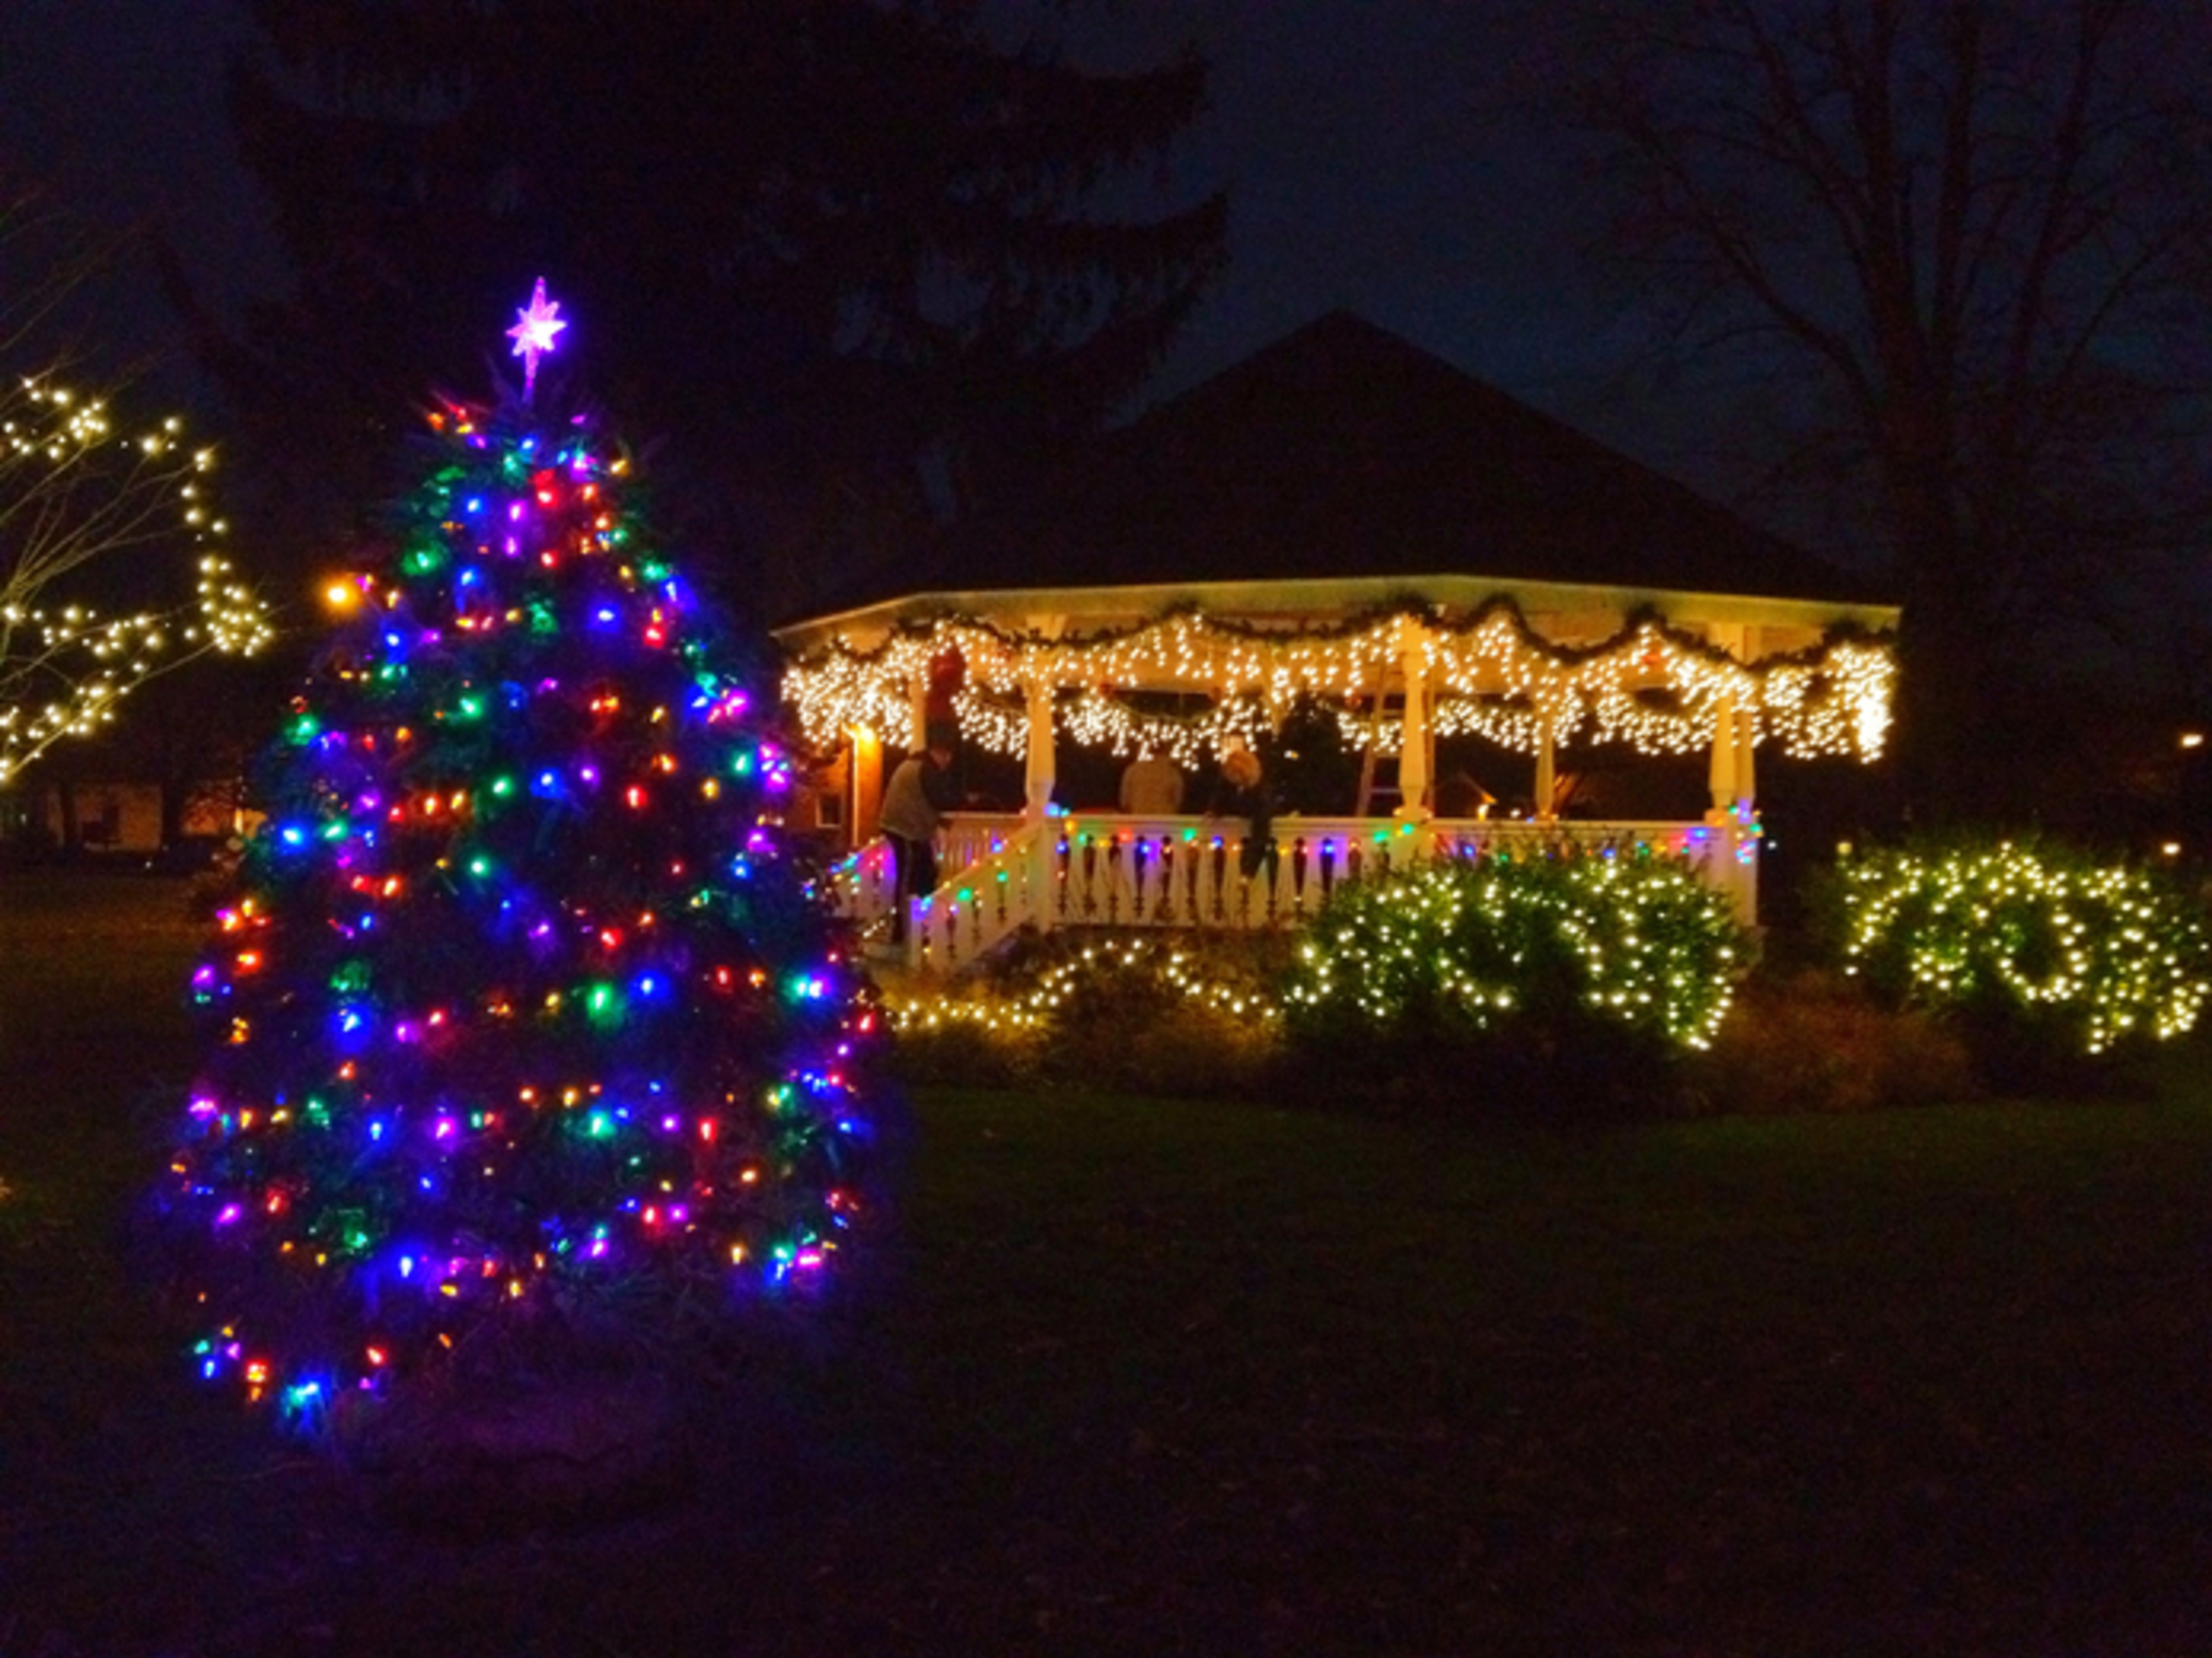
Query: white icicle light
x=1656, y=689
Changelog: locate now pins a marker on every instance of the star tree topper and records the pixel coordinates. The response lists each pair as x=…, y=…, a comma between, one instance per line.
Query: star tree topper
x=532, y=333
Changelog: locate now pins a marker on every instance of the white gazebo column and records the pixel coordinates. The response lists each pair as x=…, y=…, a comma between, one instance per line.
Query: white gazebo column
x=1546, y=792
x=918, y=738
x=1732, y=819
x=1042, y=906
x=1040, y=775
x=1415, y=756
x=918, y=701
x=1747, y=746
x=864, y=785
x=1721, y=776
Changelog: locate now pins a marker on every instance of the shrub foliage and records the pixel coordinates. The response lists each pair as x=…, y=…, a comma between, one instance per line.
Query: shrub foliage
x=2035, y=951
x=1460, y=948
x=1808, y=1040
x=1163, y=1016
x=1576, y=974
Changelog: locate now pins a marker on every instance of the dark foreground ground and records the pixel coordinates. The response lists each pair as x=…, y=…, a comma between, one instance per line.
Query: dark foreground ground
x=1158, y=1377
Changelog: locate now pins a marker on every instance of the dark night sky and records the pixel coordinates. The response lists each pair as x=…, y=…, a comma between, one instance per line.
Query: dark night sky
x=1378, y=155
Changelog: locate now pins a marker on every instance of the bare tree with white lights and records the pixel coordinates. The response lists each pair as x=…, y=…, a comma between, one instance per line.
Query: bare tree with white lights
x=89, y=511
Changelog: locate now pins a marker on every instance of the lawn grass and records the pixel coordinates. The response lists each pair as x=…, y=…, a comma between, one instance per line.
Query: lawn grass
x=1154, y=1376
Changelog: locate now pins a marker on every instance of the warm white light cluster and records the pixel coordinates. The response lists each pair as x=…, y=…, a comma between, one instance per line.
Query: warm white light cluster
x=1838, y=705
x=71, y=492
x=1649, y=688
x=1652, y=687
x=1031, y=1010
x=1096, y=718
x=2107, y=947
x=1652, y=947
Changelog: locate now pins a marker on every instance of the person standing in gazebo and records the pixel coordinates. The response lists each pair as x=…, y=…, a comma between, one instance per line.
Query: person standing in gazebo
x=1242, y=791
x=1151, y=786
x=921, y=792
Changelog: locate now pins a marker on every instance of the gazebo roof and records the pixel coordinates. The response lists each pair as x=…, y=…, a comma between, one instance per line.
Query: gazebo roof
x=1344, y=451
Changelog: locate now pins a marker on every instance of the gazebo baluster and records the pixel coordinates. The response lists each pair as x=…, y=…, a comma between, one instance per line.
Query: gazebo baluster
x=1180, y=860
x=1003, y=875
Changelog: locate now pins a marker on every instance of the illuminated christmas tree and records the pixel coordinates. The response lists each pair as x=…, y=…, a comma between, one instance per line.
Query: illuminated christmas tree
x=523, y=1036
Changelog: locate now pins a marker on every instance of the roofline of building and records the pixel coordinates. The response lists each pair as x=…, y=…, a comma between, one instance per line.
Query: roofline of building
x=1337, y=597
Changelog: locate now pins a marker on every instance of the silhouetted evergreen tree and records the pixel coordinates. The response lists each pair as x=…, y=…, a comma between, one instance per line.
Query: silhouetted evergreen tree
x=846, y=260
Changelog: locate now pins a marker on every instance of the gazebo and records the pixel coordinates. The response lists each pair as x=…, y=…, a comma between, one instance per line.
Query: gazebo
x=1343, y=523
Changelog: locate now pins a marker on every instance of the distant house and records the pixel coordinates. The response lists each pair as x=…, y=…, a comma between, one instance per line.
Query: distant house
x=107, y=814
x=1347, y=524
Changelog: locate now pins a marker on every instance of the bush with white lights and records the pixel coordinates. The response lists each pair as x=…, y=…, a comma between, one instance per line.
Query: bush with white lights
x=1548, y=972
x=2032, y=947
x=1192, y=1016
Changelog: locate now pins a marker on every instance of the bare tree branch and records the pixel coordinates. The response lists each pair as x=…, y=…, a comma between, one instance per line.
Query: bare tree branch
x=1990, y=226
x=80, y=502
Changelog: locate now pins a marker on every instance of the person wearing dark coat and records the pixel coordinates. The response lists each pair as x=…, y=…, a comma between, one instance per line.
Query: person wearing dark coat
x=1242, y=791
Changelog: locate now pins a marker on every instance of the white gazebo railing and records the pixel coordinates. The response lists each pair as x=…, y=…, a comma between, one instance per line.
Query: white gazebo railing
x=1000, y=874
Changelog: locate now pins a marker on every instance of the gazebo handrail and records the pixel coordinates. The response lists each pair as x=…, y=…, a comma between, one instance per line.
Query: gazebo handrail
x=1002, y=871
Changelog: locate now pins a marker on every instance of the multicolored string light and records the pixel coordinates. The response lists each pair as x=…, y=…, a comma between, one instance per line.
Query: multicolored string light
x=519, y=1015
